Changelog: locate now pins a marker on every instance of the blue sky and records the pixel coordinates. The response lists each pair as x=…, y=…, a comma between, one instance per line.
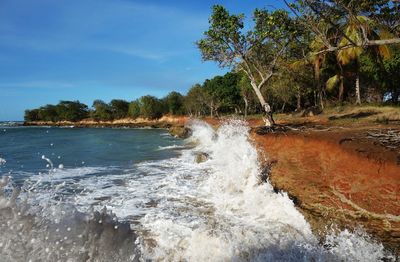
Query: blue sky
x=102, y=49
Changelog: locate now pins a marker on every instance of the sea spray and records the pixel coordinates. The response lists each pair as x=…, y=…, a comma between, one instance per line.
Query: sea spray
x=60, y=233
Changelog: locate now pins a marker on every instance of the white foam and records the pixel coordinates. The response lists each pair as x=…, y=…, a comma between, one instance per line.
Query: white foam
x=2, y=161
x=170, y=147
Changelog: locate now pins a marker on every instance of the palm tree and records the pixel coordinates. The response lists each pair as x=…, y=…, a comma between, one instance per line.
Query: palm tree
x=317, y=59
x=354, y=30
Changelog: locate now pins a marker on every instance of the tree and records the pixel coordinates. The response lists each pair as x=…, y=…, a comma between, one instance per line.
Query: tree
x=134, y=109
x=119, y=108
x=355, y=28
x=196, y=101
x=383, y=74
x=32, y=115
x=245, y=92
x=48, y=113
x=102, y=111
x=151, y=107
x=71, y=110
x=384, y=14
x=174, y=101
x=256, y=52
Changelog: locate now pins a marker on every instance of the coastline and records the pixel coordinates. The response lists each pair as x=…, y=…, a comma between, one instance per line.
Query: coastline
x=340, y=176
x=174, y=124
x=163, y=122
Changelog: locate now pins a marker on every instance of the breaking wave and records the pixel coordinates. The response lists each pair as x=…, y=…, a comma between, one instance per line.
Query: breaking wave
x=169, y=210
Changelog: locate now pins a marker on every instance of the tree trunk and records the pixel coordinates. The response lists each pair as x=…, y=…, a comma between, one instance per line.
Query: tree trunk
x=246, y=105
x=298, y=107
x=395, y=96
x=283, y=107
x=268, y=119
x=341, y=90
x=358, y=94
x=317, y=71
x=341, y=85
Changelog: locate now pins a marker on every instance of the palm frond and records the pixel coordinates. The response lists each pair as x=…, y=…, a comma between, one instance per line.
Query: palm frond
x=332, y=82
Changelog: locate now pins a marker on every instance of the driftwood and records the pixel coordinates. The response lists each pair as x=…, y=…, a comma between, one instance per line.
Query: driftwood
x=389, y=138
x=363, y=212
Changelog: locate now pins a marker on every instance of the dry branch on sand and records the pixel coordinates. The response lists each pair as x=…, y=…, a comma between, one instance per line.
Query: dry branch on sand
x=387, y=138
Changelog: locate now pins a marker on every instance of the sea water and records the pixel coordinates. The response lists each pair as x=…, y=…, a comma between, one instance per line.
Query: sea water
x=139, y=195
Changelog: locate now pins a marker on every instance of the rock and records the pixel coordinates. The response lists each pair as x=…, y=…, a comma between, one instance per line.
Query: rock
x=311, y=111
x=201, y=157
x=180, y=131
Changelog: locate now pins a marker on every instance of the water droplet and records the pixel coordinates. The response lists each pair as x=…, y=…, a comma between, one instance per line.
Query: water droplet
x=60, y=166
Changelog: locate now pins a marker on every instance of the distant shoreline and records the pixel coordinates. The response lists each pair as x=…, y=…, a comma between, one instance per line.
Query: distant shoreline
x=174, y=124
x=164, y=122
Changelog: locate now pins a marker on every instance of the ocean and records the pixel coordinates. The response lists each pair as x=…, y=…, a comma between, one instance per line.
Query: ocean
x=83, y=194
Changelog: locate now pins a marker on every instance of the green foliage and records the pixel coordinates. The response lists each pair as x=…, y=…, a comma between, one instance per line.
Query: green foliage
x=48, y=113
x=382, y=74
x=134, y=109
x=151, y=107
x=71, y=111
x=195, y=101
x=63, y=111
x=119, y=108
x=223, y=92
x=224, y=39
x=102, y=111
x=32, y=115
x=174, y=103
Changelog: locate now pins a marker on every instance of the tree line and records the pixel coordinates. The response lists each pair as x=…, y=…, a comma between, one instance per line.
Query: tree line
x=220, y=95
x=321, y=53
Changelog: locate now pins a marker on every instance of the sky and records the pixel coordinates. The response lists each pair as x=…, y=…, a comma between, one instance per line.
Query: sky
x=103, y=49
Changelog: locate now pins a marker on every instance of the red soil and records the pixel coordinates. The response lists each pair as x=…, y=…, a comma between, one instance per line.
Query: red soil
x=338, y=177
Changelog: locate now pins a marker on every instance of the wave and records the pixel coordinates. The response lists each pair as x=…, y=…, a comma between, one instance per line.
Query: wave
x=169, y=210
x=171, y=147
